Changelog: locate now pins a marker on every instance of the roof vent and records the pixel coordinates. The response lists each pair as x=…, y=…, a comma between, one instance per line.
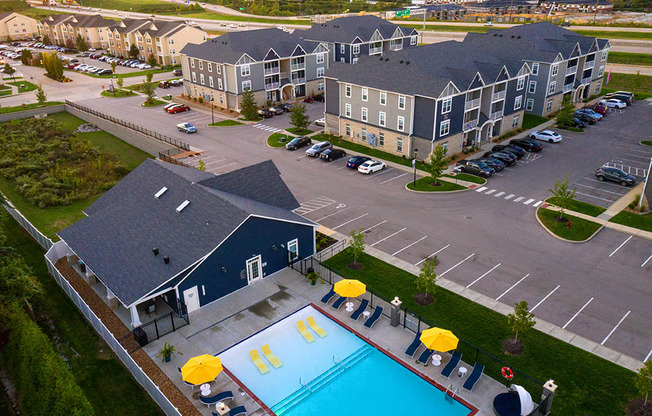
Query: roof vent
x=495, y=34
x=400, y=62
x=407, y=62
x=386, y=59
x=518, y=37
x=160, y=192
x=155, y=251
x=381, y=59
x=166, y=259
x=512, y=36
x=183, y=205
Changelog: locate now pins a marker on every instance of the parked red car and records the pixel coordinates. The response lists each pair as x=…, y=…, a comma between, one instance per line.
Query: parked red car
x=600, y=109
x=309, y=100
x=178, y=109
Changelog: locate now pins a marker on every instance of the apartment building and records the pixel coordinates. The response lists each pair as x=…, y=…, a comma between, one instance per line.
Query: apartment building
x=408, y=102
x=563, y=63
x=348, y=38
x=275, y=65
x=15, y=26
x=163, y=39
x=61, y=28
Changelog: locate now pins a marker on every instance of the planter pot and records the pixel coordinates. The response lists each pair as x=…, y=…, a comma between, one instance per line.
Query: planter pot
x=167, y=359
x=313, y=282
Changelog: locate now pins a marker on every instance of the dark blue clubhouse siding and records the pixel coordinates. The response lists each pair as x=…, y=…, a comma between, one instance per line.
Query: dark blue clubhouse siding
x=255, y=237
x=456, y=116
x=511, y=94
x=424, y=116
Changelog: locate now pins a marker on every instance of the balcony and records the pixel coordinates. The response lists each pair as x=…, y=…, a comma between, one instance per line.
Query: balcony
x=567, y=87
x=298, y=66
x=589, y=64
x=376, y=50
x=496, y=115
x=272, y=85
x=272, y=70
x=297, y=80
x=586, y=81
x=498, y=96
x=571, y=70
x=470, y=105
x=470, y=125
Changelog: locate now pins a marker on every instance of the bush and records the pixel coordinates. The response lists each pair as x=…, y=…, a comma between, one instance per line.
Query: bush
x=200, y=99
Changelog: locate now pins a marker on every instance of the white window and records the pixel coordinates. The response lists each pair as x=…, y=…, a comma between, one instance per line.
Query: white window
x=320, y=72
x=194, y=77
x=348, y=130
x=355, y=61
x=246, y=85
x=201, y=64
x=342, y=48
x=245, y=70
x=515, y=122
x=551, y=87
x=320, y=58
x=210, y=67
x=192, y=63
x=401, y=102
x=347, y=91
x=364, y=114
x=365, y=94
x=529, y=104
x=201, y=79
x=555, y=69
x=381, y=138
x=520, y=84
x=383, y=97
x=518, y=102
x=347, y=110
x=535, y=68
x=444, y=128
x=219, y=83
x=549, y=105
x=356, y=49
x=400, y=123
x=446, y=105
x=533, y=87
x=399, y=144
x=381, y=118
x=601, y=71
x=320, y=86
x=413, y=40
x=210, y=81
x=363, y=133
x=604, y=55
x=219, y=69
x=598, y=86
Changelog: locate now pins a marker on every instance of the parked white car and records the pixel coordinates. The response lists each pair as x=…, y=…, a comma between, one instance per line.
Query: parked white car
x=613, y=103
x=320, y=122
x=546, y=136
x=371, y=166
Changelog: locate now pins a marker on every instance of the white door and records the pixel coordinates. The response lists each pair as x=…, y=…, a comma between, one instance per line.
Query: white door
x=191, y=299
x=293, y=251
x=254, y=269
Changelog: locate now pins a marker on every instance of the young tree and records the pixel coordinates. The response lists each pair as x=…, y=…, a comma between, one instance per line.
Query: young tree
x=521, y=320
x=201, y=165
x=148, y=89
x=70, y=44
x=46, y=40
x=298, y=117
x=151, y=59
x=133, y=51
x=565, y=194
x=40, y=94
x=113, y=66
x=25, y=56
x=10, y=70
x=438, y=163
x=81, y=43
x=120, y=82
x=248, y=105
x=427, y=280
x=637, y=81
x=357, y=244
x=643, y=380
x=53, y=65
x=148, y=76
x=566, y=114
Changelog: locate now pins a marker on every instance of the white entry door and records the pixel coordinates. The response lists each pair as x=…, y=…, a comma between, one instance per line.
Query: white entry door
x=293, y=250
x=254, y=269
x=191, y=299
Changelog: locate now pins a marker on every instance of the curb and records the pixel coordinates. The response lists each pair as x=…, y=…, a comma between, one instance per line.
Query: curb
x=562, y=238
x=282, y=147
x=436, y=192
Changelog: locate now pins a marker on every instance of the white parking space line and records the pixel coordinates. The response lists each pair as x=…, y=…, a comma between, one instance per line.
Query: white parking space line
x=510, y=196
x=391, y=235
x=341, y=168
x=433, y=254
x=350, y=221
x=374, y=226
x=645, y=262
x=647, y=158
x=620, y=246
x=529, y=201
x=486, y=273
x=602, y=190
x=546, y=297
x=596, y=197
x=577, y=313
x=395, y=177
x=647, y=357
x=615, y=327
x=604, y=183
x=537, y=204
x=491, y=191
x=481, y=189
x=225, y=166
x=373, y=175
x=499, y=194
x=330, y=215
x=519, y=199
x=207, y=157
x=513, y=286
x=409, y=245
x=473, y=254
x=215, y=161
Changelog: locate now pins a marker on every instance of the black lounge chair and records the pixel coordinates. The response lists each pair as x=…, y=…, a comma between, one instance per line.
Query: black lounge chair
x=425, y=356
x=327, y=297
x=414, y=346
x=338, y=303
x=363, y=305
x=192, y=386
x=452, y=364
x=237, y=411
x=220, y=397
x=474, y=377
x=374, y=317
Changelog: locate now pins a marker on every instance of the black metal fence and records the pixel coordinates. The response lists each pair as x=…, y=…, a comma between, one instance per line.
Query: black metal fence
x=153, y=330
x=167, y=157
x=132, y=126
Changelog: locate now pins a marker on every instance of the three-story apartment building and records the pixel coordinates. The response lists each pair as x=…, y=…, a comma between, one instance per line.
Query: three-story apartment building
x=563, y=63
x=16, y=26
x=275, y=65
x=61, y=28
x=350, y=37
x=408, y=102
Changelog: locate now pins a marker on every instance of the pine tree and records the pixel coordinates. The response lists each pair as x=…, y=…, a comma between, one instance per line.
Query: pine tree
x=151, y=59
x=40, y=95
x=133, y=51
x=438, y=162
x=566, y=114
x=298, y=117
x=81, y=43
x=248, y=105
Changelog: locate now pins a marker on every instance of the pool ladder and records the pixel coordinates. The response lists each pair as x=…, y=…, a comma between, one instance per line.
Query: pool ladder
x=337, y=360
x=304, y=385
x=452, y=394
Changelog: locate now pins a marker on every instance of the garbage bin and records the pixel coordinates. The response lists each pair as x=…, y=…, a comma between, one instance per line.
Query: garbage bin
x=140, y=336
x=310, y=270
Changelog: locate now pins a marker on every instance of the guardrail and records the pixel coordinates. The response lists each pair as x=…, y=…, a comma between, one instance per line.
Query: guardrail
x=496, y=115
x=586, y=81
x=132, y=126
x=498, y=95
x=272, y=86
x=589, y=64
x=567, y=87
x=271, y=71
x=571, y=70
x=472, y=104
x=470, y=125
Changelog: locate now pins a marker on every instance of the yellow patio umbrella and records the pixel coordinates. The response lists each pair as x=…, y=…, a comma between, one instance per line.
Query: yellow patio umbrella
x=350, y=288
x=201, y=369
x=439, y=339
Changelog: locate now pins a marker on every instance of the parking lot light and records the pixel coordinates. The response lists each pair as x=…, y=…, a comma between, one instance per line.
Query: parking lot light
x=414, y=166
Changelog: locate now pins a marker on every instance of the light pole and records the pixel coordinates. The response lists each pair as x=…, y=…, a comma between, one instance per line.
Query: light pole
x=414, y=166
x=212, y=105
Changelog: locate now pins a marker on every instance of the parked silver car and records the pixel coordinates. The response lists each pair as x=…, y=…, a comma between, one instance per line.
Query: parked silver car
x=317, y=148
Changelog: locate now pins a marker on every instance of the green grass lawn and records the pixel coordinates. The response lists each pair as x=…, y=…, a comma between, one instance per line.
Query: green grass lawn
x=637, y=95
x=530, y=121
x=614, y=34
x=449, y=28
x=4, y=92
x=468, y=178
x=29, y=85
x=640, y=221
x=226, y=123
x=4, y=110
x=580, y=230
x=245, y=19
x=107, y=384
x=298, y=132
x=570, y=128
x=118, y=94
x=425, y=185
x=154, y=103
x=630, y=58
x=647, y=142
x=278, y=139
x=131, y=74
x=629, y=82
x=577, y=206
x=591, y=385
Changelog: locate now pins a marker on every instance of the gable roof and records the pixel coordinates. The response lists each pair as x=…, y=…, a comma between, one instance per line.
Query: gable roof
x=346, y=29
x=126, y=223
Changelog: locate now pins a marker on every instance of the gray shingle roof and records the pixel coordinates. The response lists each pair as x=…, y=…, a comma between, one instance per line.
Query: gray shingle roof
x=346, y=29
x=124, y=225
x=230, y=47
x=95, y=20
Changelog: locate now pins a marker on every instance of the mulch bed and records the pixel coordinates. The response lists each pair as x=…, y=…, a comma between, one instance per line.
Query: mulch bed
x=637, y=408
x=424, y=298
x=119, y=330
x=355, y=265
x=513, y=347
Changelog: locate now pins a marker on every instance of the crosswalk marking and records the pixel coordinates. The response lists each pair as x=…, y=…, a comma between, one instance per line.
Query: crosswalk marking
x=313, y=205
x=267, y=128
x=499, y=194
x=519, y=199
x=490, y=192
x=510, y=196
x=529, y=201
x=537, y=204
x=481, y=189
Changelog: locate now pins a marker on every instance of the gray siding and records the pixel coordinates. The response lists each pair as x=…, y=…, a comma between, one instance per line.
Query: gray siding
x=373, y=106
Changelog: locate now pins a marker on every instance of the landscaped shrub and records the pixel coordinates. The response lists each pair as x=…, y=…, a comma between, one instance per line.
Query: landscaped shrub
x=52, y=165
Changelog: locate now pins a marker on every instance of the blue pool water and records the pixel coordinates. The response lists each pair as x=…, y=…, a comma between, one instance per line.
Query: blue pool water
x=339, y=374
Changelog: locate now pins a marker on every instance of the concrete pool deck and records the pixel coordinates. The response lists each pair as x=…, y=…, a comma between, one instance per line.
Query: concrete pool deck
x=241, y=314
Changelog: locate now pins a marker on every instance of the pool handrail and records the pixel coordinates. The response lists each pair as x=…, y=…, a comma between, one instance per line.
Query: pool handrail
x=452, y=364
x=363, y=305
x=258, y=362
x=374, y=317
x=267, y=352
x=312, y=324
x=304, y=331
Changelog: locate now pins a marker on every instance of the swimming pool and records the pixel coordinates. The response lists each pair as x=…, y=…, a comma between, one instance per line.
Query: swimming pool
x=339, y=374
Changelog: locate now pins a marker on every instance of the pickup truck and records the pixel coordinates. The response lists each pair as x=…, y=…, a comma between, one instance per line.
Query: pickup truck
x=474, y=167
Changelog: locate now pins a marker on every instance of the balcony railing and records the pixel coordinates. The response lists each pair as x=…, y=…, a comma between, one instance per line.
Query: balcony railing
x=374, y=51
x=296, y=67
x=567, y=88
x=571, y=70
x=470, y=125
x=589, y=64
x=586, y=81
x=472, y=104
x=298, y=81
x=272, y=85
x=496, y=115
x=272, y=70
x=498, y=95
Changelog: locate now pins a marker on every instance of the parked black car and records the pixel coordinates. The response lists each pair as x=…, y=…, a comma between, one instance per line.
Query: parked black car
x=298, y=142
x=332, y=154
x=276, y=110
x=507, y=158
x=494, y=163
x=356, y=161
x=519, y=152
x=527, y=144
x=265, y=113
x=584, y=118
x=319, y=98
x=475, y=167
x=177, y=72
x=286, y=107
x=578, y=123
x=615, y=175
